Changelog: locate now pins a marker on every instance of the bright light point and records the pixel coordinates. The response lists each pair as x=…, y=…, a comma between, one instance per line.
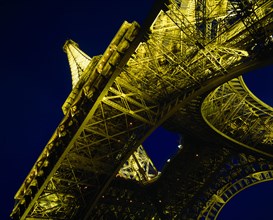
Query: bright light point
x=168, y=160
x=179, y=146
x=196, y=155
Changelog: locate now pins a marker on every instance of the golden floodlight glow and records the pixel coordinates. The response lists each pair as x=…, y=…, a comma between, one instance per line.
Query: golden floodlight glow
x=78, y=60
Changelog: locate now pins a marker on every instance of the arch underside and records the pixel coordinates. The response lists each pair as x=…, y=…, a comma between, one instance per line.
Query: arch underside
x=195, y=184
x=235, y=113
x=139, y=84
x=216, y=203
x=229, y=103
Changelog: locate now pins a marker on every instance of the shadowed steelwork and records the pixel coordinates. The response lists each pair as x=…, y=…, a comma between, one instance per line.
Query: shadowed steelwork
x=180, y=70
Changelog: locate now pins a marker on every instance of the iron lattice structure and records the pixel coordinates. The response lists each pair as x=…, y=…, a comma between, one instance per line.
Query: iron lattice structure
x=181, y=70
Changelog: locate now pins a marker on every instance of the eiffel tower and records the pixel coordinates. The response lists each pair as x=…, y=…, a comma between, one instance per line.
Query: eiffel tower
x=181, y=70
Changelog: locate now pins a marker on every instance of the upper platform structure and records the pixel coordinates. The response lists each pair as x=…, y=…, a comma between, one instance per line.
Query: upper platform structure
x=139, y=83
x=78, y=60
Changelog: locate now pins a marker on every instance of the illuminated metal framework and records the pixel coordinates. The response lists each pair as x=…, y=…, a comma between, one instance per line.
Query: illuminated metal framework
x=233, y=111
x=196, y=184
x=94, y=166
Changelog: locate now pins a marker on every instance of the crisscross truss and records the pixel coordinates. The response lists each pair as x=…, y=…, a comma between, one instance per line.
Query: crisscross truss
x=233, y=111
x=241, y=172
x=195, y=184
x=122, y=96
x=98, y=130
x=77, y=59
x=181, y=179
x=139, y=167
x=180, y=55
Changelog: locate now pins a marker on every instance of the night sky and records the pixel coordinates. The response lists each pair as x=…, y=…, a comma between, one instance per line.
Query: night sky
x=35, y=81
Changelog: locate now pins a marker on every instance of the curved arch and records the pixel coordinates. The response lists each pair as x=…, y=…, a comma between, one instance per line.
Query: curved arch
x=263, y=173
x=244, y=176
x=234, y=112
x=236, y=188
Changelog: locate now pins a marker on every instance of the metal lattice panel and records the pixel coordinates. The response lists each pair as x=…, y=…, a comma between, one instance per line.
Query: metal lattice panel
x=181, y=179
x=78, y=60
x=139, y=167
x=233, y=111
x=195, y=184
x=240, y=172
x=121, y=97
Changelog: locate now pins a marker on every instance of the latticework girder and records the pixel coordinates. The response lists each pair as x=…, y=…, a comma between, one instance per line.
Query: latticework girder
x=122, y=96
x=90, y=141
x=78, y=60
x=236, y=113
x=195, y=184
x=174, y=58
x=240, y=172
x=139, y=167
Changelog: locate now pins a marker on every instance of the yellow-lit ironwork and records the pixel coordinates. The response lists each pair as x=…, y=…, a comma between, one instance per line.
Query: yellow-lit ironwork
x=229, y=189
x=77, y=59
x=233, y=111
x=78, y=171
x=139, y=167
x=180, y=72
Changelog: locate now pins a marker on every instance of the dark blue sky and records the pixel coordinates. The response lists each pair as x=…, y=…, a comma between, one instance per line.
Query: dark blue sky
x=35, y=77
